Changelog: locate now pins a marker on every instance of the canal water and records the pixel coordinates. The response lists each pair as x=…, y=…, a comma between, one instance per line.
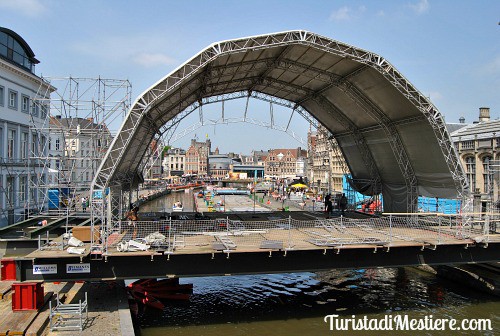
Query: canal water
x=297, y=303
x=165, y=203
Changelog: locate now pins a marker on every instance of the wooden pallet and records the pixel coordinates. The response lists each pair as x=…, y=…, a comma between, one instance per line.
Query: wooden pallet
x=18, y=322
x=5, y=288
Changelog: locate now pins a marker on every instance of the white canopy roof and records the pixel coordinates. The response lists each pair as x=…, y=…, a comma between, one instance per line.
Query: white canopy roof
x=393, y=139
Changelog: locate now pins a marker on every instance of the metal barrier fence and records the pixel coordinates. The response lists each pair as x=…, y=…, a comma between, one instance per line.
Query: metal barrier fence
x=229, y=235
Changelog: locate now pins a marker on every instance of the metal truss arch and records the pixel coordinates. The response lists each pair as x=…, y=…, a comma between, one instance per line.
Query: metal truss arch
x=307, y=72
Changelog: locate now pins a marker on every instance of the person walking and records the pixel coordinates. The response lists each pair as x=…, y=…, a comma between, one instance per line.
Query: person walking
x=84, y=204
x=343, y=204
x=133, y=218
x=328, y=205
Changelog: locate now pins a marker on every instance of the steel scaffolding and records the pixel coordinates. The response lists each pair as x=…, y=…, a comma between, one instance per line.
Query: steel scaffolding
x=78, y=129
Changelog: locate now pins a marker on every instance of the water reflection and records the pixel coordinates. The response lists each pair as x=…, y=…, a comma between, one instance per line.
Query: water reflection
x=295, y=304
x=165, y=203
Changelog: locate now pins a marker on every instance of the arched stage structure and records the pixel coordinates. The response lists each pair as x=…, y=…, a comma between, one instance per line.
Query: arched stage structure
x=394, y=140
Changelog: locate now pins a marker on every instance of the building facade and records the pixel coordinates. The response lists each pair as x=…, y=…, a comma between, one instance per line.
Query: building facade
x=24, y=105
x=325, y=170
x=285, y=163
x=197, y=158
x=173, y=162
x=78, y=144
x=256, y=158
x=478, y=146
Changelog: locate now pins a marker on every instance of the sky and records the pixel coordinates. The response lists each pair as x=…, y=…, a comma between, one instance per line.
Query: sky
x=448, y=49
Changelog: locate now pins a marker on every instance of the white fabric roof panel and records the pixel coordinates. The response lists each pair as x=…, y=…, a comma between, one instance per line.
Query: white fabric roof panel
x=388, y=132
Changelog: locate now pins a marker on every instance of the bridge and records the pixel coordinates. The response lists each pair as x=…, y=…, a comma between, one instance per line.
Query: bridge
x=244, y=243
x=394, y=141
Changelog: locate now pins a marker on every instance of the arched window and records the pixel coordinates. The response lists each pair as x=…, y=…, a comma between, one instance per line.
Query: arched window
x=487, y=174
x=14, y=49
x=470, y=168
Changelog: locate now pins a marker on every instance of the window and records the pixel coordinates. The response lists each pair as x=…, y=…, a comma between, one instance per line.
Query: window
x=25, y=106
x=33, y=191
x=34, y=110
x=11, y=49
x=11, y=145
x=487, y=175
x=34, y=144
x=43, y=113
x=22, y=188
x=10, y=191
x=24, y=145
x=470, y=167
x=43, y=145
x=2, y=96
x=13, y=99
x=58, y=144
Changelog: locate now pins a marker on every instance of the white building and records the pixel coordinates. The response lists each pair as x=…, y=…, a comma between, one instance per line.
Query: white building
x=478, y=146
x=173, y=162
x=24, y=101
x=80, y=144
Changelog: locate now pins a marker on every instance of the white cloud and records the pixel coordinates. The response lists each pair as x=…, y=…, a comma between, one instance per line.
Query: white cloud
x=346, y=13
x=420, y=7
x=31, y=8
x=341, y=14
x=153, y=59
x=146, y=51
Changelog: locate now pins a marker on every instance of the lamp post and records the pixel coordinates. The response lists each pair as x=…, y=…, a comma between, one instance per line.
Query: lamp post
x=327, y=168
x=280, y=157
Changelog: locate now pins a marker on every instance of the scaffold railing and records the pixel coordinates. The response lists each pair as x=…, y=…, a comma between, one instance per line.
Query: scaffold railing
x=223, y=234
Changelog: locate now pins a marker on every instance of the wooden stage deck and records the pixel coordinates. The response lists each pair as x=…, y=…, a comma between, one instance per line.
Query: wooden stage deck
x=258, y=240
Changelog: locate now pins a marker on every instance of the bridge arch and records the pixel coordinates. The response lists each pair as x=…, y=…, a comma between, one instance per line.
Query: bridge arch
x=388, y=132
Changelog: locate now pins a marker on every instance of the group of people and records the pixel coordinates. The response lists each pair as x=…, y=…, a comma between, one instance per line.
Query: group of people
x=342, y=203
x=85, y=203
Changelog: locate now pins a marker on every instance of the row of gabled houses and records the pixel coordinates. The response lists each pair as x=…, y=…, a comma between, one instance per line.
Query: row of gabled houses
x=199, y=159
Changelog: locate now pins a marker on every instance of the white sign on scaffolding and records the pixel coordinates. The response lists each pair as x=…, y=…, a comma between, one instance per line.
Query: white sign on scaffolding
x=45, y=269
x=78, y=268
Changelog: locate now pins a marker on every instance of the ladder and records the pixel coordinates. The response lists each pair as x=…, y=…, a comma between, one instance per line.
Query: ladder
x=68, y=316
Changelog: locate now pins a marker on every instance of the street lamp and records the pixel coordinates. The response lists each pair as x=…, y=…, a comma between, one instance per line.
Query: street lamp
x=280, y=157
x=327, y=167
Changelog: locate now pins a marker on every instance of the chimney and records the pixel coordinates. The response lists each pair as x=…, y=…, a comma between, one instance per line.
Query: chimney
x=484, y=114
x=461, y=120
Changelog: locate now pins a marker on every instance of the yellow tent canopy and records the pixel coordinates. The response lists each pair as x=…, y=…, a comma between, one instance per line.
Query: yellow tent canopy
x=299, y=186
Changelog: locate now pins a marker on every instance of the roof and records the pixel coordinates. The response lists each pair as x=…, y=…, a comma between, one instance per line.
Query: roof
x=481, y=130
x=27, y=49
x=455, y=126
x=386, y=129
x=294, y=152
